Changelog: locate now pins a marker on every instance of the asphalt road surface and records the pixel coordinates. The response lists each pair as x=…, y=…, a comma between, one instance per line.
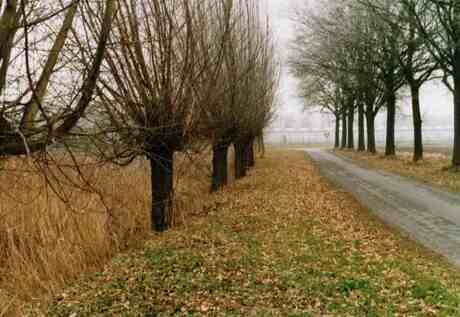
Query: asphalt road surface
x=427, y=214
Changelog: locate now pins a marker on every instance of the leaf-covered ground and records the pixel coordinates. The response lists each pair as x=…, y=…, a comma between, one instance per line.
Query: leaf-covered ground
x=281, y=242
x=433, y=169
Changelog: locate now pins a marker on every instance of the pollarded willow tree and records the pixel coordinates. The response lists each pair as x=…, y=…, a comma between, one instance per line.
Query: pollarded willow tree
x=148, y=89
x=255, y=95
x=243, y=88
x=166, y=83
x=42, y=96
x=215, y=124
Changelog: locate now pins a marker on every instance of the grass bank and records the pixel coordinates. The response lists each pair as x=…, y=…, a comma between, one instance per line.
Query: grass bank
x=433, y=169
x=281, y=242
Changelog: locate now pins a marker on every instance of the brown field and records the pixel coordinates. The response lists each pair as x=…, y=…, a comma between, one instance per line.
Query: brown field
x=55, y=226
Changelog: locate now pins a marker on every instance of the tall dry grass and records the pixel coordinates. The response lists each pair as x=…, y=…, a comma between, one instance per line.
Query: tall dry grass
x=56, y=224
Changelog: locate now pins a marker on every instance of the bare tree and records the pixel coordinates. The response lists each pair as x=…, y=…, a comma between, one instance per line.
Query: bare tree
x=387, y=38
x=33, y=112
x=249, y=82
x=416, y=63
x=313, y=62
x=174, y=76
x=324, y=60
x=148, y=89
x=418, y=67
x=438, y=24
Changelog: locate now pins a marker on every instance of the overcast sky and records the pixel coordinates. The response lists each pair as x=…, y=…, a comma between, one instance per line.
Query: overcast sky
x=280, y=12
x=436, y=101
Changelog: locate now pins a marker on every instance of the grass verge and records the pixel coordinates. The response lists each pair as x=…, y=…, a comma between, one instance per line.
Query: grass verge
x=433, y=169
x=282, y=242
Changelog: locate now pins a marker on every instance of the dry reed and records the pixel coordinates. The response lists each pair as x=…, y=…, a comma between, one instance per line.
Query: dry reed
x=56, y=224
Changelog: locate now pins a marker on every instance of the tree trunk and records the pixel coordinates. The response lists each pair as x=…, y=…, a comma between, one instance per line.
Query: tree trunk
x=337, y=132
x=33, y=107
x=351, y=125
x=417, y=119
x=9, y=19
x=456, y=154
x=390, y=148
x=251, y=161
x=261, y=144
x=361, y=129
x=344, y=130
x=370, y=120
x=456, y=77
x=240, y=168
x=219, y=166
x=161, y=169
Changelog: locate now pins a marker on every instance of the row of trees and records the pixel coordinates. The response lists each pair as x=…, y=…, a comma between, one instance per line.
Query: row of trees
x=355, y=56
x=137, y=78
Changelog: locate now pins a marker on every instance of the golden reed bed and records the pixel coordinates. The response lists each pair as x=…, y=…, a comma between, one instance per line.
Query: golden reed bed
x=56, y=224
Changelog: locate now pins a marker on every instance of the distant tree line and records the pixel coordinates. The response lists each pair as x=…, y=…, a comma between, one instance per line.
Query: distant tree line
x=138, y=78
x=353, y=57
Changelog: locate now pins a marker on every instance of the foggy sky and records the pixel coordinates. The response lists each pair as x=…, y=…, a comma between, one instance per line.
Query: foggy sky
x=436, y=100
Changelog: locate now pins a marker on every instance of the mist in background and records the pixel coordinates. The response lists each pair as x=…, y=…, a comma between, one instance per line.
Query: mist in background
x=293, y=124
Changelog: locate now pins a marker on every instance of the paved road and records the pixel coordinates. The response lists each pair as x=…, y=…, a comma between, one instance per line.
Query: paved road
x=425, y=213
